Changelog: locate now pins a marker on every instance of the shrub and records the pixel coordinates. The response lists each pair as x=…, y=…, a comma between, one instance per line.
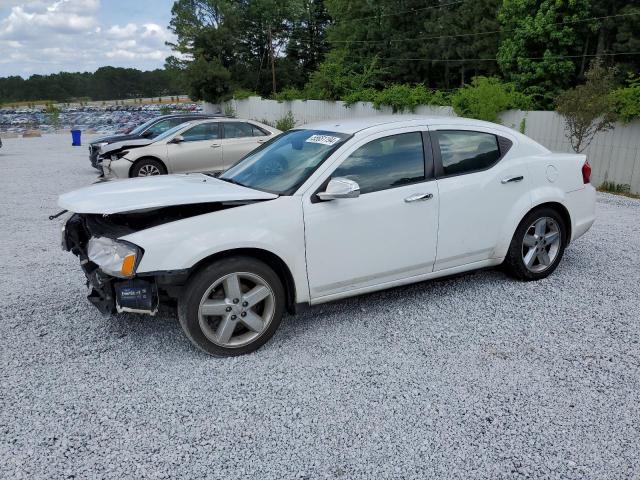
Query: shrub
x=626, y=101
x=286, y=123
x=364, y=95
x=587, y=109
x=289, y=94
x=486, y=97
x=242, y=94
x=336, y=77
x=400, y=97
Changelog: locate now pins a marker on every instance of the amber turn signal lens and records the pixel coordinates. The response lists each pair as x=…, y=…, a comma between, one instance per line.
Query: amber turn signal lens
x=128, y=265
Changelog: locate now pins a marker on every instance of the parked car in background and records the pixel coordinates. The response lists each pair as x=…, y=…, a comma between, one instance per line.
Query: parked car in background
x=145, y=132
x=196, y=146
x=323, y=212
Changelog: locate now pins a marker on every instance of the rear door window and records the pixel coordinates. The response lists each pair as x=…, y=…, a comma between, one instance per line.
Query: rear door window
x=465, y=151
x=238, y=130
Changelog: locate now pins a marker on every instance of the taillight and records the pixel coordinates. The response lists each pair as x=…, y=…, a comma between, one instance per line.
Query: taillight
x=586, y=172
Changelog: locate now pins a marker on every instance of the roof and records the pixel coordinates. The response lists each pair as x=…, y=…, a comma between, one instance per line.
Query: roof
x=353, y=125
x=187, y=114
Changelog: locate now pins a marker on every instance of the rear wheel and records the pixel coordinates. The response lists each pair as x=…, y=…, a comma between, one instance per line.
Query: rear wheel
x=232, y=307
x=537, y=245
x=148, y=167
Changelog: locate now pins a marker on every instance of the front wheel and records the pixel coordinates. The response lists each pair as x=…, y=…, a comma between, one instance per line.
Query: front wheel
x=232, y=307
x=148, y=167
x=537, y=245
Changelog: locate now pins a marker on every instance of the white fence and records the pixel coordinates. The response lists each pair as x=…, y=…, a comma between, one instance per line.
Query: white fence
x=614, y=155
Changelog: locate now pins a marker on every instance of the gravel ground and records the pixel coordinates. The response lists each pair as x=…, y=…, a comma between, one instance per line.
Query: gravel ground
x=477, y=376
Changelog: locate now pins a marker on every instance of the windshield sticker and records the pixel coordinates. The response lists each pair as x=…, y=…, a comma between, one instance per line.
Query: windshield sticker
x=323, y=139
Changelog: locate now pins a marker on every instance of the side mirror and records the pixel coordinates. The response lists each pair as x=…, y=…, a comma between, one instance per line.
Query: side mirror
x=178, y=139
x=340, y=188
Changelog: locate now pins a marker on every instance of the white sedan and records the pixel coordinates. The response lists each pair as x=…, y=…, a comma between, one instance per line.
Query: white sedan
x=324, y=212
x=196, y=146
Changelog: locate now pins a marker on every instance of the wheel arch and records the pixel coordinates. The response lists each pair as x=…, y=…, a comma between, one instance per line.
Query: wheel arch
x=147, y=157
x=271, y=259
x=558, y=207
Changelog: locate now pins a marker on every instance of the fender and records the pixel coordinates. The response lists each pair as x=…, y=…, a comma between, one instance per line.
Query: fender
x=182, y=244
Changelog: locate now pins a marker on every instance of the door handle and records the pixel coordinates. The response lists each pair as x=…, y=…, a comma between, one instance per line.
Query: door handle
x=419, y=197
x=519, y=178
x=215, y=145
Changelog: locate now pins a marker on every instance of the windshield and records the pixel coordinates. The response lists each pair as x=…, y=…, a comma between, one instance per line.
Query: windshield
x=141, y=128
x=281, y=165
x=170, y=132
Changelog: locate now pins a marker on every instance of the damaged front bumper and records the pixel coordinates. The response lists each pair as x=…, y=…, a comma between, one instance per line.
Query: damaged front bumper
x=110, y=295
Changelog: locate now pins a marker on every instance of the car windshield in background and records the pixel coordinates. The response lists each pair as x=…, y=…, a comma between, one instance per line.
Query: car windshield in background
x=170, y=132
x=281, y=165
x=141, y=128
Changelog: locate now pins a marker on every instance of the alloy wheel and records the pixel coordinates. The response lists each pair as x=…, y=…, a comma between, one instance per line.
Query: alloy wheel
x=236, y=309
x=541, y=244
x=148, y=170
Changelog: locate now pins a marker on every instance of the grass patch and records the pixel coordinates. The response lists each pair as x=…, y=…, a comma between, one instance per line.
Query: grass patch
x=623, y=189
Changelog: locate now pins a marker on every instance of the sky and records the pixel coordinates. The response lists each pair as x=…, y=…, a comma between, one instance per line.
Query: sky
x=49, y=36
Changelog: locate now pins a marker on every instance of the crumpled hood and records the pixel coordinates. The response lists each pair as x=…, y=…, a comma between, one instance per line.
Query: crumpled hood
x=134, y=143
x=114, y=138
x=143, y=193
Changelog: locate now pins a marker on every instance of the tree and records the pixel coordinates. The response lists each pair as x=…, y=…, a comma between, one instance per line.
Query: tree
x=587, y=109
x=208, y=80
x=539, y=42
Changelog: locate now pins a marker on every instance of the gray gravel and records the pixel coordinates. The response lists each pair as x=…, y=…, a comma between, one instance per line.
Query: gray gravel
x=478, y=376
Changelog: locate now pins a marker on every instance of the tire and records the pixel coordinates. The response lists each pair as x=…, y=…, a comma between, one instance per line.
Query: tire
x=219, y=325
x=532, y=256
x=148, y=167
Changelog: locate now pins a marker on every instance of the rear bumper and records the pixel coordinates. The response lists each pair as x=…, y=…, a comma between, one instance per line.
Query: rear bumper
x=582, y=209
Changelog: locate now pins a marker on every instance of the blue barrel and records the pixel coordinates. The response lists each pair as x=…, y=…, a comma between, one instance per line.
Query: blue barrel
x=75, y=137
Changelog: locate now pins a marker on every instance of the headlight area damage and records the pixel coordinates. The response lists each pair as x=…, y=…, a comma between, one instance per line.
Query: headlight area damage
x=110, y=263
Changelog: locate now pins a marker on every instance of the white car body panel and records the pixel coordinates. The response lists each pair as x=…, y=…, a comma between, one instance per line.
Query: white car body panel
x=143, y=193
x=350, y=246
x=360, y=233
x=275, y=226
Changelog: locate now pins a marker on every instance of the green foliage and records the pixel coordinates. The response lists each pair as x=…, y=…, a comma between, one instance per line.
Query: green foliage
x=208, y=80
x=337, y=78
x=486, y=97
x=400, y=97
x=243, y=94
x=288, y=94
x=626, y=100
x=403, y=98
x=612, y=187
x=286, y=123
x=106, y=83
x=534, y=53
x=587, y=109
x=523, y=126
x=53, y=115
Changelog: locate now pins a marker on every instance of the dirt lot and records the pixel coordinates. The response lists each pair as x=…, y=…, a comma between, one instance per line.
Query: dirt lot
x=477, y=376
